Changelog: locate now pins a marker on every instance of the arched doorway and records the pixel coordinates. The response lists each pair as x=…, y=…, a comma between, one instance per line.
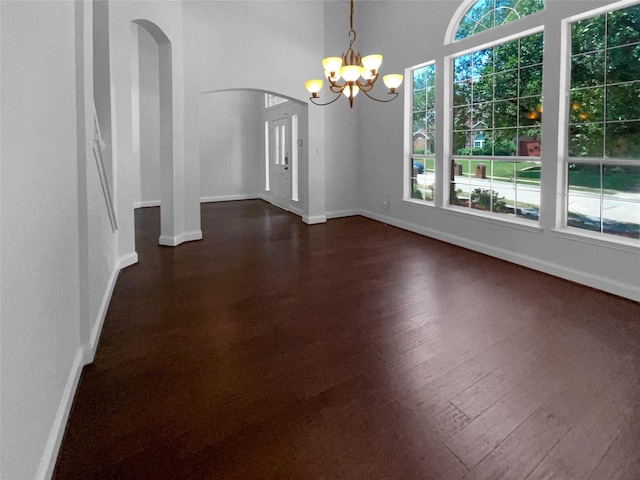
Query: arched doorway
x=237, y=147
x=152, y=128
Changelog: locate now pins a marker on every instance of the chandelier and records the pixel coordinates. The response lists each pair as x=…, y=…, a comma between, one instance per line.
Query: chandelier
x=358, y=74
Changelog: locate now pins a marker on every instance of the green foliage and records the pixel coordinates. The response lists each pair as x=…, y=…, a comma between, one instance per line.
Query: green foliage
x=486, y=14
x=621, y=178
x=503, y=148
x=605, y=85
x=424, y=98
x=498, y=91
x=487, y=200
x=423, y=192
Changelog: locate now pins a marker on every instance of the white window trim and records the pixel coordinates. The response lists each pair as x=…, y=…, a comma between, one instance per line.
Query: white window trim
x=268, y=105
x=447, y=137
x=452, y=29
x=456, y=18
x=562, y=229
x=502, y=220
x=408, y=135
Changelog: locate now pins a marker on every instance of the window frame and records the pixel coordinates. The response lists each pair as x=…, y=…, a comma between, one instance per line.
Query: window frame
x=449, y=155
x=271, y=100
x=460, y=14
x=409, y=133
x=563, y=189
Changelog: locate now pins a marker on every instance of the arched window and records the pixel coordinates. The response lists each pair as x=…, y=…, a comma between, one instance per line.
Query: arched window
x=496, y=112
x=486, y=14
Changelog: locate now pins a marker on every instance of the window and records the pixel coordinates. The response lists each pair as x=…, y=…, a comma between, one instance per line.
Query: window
x=273, y=100
x=422, y=167
x=603, y=166
x=496, y=120
x=487, y=14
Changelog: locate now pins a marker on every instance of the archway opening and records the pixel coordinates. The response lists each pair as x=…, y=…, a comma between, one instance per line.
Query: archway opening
x=152, y=124
x=237, y=147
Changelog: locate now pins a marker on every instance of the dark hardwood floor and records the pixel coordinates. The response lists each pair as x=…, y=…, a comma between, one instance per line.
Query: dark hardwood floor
x=351, y=350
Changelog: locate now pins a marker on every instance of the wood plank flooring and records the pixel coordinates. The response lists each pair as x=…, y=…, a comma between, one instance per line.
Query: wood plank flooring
x=351, y=350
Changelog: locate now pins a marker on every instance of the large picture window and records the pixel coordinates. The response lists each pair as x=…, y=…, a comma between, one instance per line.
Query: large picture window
x=603, y=168
x=497, y=117
x=423, y=131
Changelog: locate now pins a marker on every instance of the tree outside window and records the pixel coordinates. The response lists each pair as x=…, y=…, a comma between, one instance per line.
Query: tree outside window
x=422, y=167
x=603, y=166
x=497, y=118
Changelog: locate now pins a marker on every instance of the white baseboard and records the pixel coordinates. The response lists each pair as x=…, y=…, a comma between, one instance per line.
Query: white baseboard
x=190, y=236
x=127, y=260
x=51, y=449
x=601, y=283
x=228, y=198
x=146, y=203
x=89, y=350
x=314, y=219
x=85, y=355
x=343, y=213
x=265, y=196
x=169, y=241
x=296, y=211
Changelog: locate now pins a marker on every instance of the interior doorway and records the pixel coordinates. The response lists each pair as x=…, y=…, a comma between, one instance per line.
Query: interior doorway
x=152, y=122
x=253, y=144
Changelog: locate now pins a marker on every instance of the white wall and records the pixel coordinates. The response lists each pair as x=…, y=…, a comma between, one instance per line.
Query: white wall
x=40, y=245
x=58, y=249
x=99, y=260
x=270, y=46
x=147, y=186
x=343, y=167
x=231, y=142
x=165, y=18
x=101, y=76
x=417, y=37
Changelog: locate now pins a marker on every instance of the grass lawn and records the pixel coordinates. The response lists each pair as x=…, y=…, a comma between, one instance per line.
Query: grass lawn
x=616, y=179
x=525, y=172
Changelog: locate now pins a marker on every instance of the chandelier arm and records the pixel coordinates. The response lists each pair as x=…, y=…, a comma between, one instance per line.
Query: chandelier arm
x=332, y=83
x=313, y=100
x=395, y=95
x=352, y=58
x=374, y=79
x=365, y=86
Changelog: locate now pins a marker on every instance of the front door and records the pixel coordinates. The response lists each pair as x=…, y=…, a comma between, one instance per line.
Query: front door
x=280, y=145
